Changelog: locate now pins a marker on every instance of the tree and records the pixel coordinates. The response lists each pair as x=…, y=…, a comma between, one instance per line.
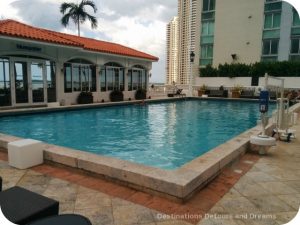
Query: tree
x=78, y=14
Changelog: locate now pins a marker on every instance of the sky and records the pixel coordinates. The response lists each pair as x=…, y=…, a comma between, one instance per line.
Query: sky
x=140, y=24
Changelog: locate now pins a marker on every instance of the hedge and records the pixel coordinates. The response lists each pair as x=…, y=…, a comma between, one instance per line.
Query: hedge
x=277, y=69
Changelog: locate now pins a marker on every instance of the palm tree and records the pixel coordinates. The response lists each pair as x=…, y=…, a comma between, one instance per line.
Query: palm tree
x=78, y=14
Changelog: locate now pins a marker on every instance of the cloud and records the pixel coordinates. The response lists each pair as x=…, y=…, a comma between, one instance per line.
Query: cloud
x=39, y=13
x=140, y=24
x=162, y=10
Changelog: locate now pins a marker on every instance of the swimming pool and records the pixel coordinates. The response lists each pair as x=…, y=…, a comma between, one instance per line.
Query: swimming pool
x=164, y=135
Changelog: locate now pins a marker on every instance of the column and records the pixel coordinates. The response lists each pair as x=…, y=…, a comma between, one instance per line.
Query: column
x=126, y=79
x=98, y=78
x=59, y=76
x=12, y=82
x=147, y=79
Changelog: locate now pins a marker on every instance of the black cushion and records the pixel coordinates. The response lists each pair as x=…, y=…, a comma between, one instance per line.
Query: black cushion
x=67, y=219
x=216, y=93
x=247, y=94
x=21, y=206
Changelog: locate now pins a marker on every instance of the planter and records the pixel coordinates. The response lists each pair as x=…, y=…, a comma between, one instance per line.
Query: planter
x=140, y=94
x=116, y=96
x=235, y=94
x=201, y=92
x=85, y=98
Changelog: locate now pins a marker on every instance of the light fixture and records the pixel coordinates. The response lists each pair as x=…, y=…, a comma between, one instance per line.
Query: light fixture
x=234, y=56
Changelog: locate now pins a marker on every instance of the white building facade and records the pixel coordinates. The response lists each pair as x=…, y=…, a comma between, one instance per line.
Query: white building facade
x=39, y=66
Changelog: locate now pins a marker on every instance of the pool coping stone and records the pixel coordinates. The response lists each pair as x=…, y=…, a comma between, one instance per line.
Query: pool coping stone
x=178, y=184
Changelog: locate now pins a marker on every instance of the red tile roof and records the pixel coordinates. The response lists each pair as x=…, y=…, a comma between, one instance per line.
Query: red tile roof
x=13, y=28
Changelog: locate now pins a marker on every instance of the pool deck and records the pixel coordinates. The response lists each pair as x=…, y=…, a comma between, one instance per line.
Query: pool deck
x=255, y=186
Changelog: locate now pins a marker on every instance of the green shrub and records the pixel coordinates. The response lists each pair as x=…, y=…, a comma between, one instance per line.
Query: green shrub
x=224, y=70
x=209, y=71
x=140, y=94
x=282, y=69
x=116, y=96
x=85, y=97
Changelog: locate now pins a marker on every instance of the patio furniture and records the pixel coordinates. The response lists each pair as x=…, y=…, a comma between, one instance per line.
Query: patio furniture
x=25, y=153
x=218, y=93
x=66, y=219
x=21, y=206
x=179, y=92
x=273, y=95
x=247, y=94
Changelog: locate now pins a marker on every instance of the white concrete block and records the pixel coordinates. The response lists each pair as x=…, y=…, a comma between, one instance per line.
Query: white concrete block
x=53, y=104
x=25, y=153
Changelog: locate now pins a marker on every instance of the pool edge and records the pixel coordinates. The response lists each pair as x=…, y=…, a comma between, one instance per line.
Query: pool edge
x=178, y=185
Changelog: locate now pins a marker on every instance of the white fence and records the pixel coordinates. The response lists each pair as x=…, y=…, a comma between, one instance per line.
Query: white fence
x=289, y=82
x=213, y=83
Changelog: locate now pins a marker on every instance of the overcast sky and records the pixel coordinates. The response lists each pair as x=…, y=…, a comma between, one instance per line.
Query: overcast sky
x=140, y=24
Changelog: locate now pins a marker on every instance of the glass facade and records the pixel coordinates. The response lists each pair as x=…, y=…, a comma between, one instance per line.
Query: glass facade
x=295, y=37
x=51, y=81
x=79, y=77
x=207, y=32
x=21, y=82
x=37, y=82
x=208, y=5
x=272, y=20
x=112, y=77
x=270, y=47
x=25, y=81
x=137, y=78
x=271, y=32
x=5, y=83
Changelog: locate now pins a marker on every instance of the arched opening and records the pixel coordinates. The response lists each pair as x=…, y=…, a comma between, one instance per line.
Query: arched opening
x=112, y=77
x=79, y=75
x=137, y=78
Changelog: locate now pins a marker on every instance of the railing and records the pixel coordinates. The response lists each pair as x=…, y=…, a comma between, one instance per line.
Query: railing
x=164, y=90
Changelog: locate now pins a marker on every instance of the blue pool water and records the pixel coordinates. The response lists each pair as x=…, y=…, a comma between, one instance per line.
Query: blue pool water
x=165, y=135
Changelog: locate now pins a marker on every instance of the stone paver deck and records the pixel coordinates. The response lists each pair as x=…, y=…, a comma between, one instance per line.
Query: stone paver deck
x=255, y=190
x=269, y=193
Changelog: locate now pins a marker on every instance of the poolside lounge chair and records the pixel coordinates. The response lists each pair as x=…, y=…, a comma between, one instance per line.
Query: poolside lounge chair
x=179, y=92
x=247, y=94
x=21, y=206
x=217, y=93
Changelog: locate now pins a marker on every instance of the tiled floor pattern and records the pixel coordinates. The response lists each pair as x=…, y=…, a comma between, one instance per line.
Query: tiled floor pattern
x=105, y=202
x=268, y=194
x=256, y=190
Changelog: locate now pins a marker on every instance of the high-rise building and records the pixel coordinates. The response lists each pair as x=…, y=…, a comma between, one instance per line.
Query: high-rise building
x=243, y=31
x=172, y=51
x=236, y=31
x=187, y=13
